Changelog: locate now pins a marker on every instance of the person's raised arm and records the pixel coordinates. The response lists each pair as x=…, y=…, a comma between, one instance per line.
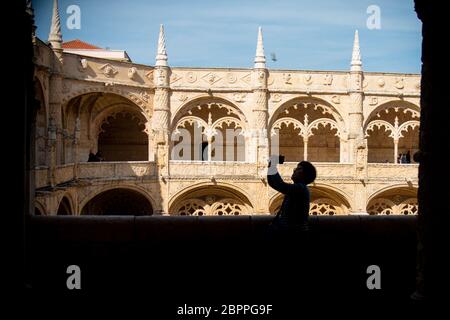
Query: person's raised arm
x=276, y=182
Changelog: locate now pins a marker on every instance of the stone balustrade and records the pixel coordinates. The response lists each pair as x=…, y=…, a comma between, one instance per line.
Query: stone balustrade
x=217, y=169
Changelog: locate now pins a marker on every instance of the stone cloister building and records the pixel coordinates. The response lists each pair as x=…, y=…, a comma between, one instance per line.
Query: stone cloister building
x=351, y=125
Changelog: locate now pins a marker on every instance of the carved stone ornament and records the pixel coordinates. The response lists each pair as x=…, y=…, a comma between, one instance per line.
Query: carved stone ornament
x=365, y=83
x=307, y=79
x=144, y=96
x=211, y=78
x=336, y=99
x=83, y=65
x=418, y=85
x=66, y=87
x=276, y=97
x=131, y=72
x=231, y=78
x=399, y=83
x=210, y=199
x=287, y=78
x=261, y=76
x=174, y=77
x=149, y=75
x=108, y=70
x=328, y=79
x=247, y=78
x=191, y=77
x=381, y=82
x=373, y=101
x=239, y=97
x=182, y=97
x=160, y=77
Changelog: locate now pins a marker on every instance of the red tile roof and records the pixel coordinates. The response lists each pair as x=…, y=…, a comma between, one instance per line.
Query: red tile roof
x=78, y=44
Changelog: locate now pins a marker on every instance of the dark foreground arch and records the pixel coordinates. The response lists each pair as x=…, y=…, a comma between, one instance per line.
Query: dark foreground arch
x=118, y=201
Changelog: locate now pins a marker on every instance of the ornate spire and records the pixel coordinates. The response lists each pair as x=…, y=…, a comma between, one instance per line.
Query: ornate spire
x=356, y=64
x=260, y=58
x=55, y=37
x=161, y=55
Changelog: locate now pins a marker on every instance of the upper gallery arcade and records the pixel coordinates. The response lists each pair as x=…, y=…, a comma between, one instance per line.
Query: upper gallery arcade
x=180, y=140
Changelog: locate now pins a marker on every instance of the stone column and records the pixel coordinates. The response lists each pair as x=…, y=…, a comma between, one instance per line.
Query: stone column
x=55, y=91
x=55, y=125
x=161, y=118
x=395, y=150
x=356, y=96
x=76, y=140
x=305, y=149
x=260, y=104
x=433, y=219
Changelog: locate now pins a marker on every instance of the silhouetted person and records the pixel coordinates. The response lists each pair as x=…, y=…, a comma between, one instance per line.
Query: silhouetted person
x=99, y=156
x=91, y=157
x=403, y=158
x=288, y=232
x=294, y=211
x=408, y=157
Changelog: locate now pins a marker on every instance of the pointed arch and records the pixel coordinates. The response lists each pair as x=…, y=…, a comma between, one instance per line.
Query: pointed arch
x=324, y=200
x=121, y=199
x=65, y=207
x=208, y=101
x=317, y=103
x=211, y=199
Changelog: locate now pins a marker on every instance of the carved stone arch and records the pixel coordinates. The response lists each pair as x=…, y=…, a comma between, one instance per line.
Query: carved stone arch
x=70, y=202
x=275, y=203
x=287, y=121
x=88, y=88
x=325, y=206
x=40, y=94
x=125, y=98
x=398, y=198
x=381, y=206
x=112, y=110
x=339, y=198
x=39, y=208
x=380, y=123
x=220, y=190
x=191, y=207
x=91, y=195
x=406, y=125
x=192, y=103
x=227, y=120
x=408, y=207
x=229, y=206
x=190, y=119
x=401, y=104
x=324, y=122
x=326, y=106
x=335, y=197
x=393, y=188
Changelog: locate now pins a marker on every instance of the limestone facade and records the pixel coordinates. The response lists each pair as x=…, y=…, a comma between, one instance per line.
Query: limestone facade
x=351, y=125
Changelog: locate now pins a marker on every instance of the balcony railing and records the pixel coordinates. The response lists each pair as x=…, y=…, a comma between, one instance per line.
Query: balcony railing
x=324, y=169
x=217, y=169
x=211, y=168
x=135, y=169
x=393, y=171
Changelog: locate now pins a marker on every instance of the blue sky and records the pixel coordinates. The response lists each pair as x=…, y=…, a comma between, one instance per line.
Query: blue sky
x=313, y=35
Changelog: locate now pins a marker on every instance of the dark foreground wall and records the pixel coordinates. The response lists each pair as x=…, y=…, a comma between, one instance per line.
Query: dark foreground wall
x=200, y=258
